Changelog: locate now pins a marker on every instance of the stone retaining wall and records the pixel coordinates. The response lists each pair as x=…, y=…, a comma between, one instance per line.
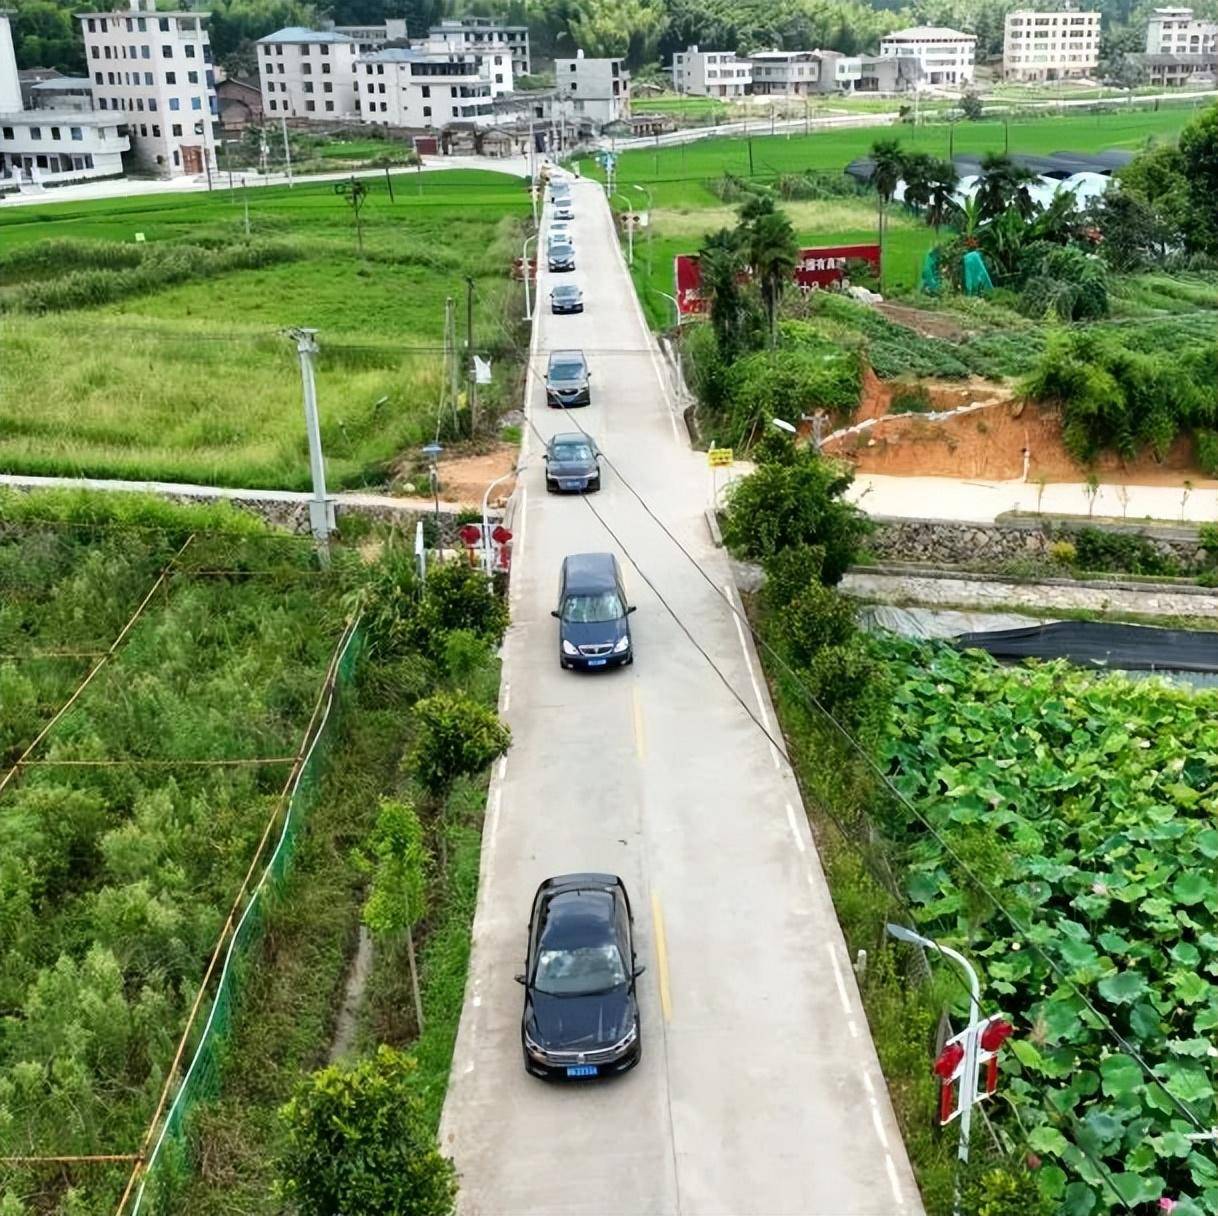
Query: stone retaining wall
x=954, y=543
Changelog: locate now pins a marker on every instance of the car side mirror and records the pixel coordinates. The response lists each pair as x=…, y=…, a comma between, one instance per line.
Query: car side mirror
x=632, y=608
x=555, y=613
x=520, y=979
x=639, y=970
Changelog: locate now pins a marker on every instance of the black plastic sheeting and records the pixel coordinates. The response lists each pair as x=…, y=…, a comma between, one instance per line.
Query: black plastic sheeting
x=1099, y=644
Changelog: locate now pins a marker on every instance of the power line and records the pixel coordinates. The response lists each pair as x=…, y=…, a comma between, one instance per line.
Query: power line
x=870, y=762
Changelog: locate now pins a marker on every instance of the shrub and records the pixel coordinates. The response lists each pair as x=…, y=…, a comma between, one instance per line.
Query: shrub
x=788, y=573
x=909, y=398
x=1121, y=553
x=458, y=596
x=1206, y=442
x=1068, y=284
x=357, y=1141
x=815, y=618
x=781, y=505
x=1063, y=551
x=456, y=737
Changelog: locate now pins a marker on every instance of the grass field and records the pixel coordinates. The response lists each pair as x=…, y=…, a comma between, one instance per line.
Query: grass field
x=675, y=182
x=196, y=381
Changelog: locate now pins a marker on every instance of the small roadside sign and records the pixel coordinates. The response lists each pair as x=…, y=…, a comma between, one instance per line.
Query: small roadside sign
x=719, y=458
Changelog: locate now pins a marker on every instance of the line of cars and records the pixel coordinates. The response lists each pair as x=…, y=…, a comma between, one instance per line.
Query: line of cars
x=581, y=1013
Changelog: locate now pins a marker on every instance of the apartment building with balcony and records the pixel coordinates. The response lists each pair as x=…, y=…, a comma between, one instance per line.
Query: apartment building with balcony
x=308, y=74
x=152, y=70
x=417, y=88
x=1175, y=31
x=944, y=57
x=1040, y=46
x=793, y=73
x=485, y=34
x=711, y=73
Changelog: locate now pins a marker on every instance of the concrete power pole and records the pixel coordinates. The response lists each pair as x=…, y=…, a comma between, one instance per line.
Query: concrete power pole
x=287, y=151
x=469, y=353
x=320, y=517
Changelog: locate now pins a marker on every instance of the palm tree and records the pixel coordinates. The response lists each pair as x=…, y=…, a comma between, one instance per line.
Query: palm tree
x=772, y=252
x=887, y=164
x=918, y=172
x=941, y=202
x=1004, y=184
x=721, y=263
x=757, y=204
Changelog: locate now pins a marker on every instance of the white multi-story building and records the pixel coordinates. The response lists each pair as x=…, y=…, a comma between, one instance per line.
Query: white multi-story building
x=598, y=89
x=411, y=87
x=792, y=73
x=943, y=56
x=494, y=60
x=369, y=38
x=63, y=141
x=308, y=74
x=1174, y=31
x=711, y=73
x=485, y=34
x=154, y=69
x=1050, y=46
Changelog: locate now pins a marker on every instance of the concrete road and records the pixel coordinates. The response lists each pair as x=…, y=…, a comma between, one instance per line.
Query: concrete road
x=759, y=1090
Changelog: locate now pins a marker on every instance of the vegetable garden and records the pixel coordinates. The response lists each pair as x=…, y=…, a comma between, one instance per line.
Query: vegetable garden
x=157, y=680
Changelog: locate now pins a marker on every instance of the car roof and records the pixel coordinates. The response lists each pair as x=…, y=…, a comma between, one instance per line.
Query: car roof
x=567, y=356
x=581, y=917
x=571, y=437
x=567, y=289
x=588, y=572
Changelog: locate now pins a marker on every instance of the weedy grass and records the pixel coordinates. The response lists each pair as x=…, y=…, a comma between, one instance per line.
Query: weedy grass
x=154, y=363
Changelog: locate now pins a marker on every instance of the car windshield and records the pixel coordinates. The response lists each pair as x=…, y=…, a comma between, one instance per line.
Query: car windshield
x=579, y=972
x=592, y=609
x=571, y=452
x=567, y=371
x=566, y=293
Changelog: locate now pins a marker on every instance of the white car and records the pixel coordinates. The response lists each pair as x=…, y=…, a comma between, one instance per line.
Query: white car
x=560, y=231
x=564, y=211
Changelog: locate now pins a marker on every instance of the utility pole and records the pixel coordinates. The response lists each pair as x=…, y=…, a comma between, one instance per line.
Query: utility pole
x=389, y=183
x=469, y=353
x=245, y=198
x=287, y=151
x=805, y=114
x=319, y=507
x=450, y=348
x=524, y=266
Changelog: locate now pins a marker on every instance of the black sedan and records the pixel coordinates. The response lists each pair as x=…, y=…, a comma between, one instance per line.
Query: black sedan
x=581, y=1018
x=566, y=298
x=561, y=257
x=572, y=463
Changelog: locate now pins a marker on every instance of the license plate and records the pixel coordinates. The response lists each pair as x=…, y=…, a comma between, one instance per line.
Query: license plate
x=582, y=1070
x=597, y=663
x=572, y=485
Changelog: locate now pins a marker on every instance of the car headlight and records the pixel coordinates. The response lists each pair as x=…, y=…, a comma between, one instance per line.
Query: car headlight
x=533, y=1047
x=623, y=643
x=567, y=648
x=626, y=1041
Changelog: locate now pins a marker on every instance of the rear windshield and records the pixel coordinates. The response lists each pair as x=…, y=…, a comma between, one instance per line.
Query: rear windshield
x=592, y=609
x=567, y=452
x=566, y=292
x=567, y=371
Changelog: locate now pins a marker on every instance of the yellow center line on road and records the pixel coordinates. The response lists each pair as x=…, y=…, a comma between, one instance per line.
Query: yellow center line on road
x=657, y=917
x=640, y=738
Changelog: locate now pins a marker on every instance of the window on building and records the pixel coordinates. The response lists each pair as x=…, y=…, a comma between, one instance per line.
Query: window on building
x=192, y=77
x=152, y=103
x=97, y=78
x=35, y=132
x=101, y=103
x=166, y=52
x=325, y=69
x=273, y=105
x=310, y=105
x=384, y=107
x=8, y=132
x=327, y=87
x=329, y=105
x=139, y=103
x=145, y=51
x=76, y=133
x=148, y=78
x=95, y=52
x=107, y=53
x=177, y=160
x=171, y=78
x=54, y=132
x=156, y=131
x=143, y=130
x=426, y=90
x=91, y=25
x=176, y=129
x=174, y=104
x=196, y=103
x=304, y=48
x=308, y=86
x=190, y=50
x=380, y=88
x=325, y=49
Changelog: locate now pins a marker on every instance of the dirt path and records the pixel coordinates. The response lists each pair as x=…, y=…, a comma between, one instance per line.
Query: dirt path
x=353, y=997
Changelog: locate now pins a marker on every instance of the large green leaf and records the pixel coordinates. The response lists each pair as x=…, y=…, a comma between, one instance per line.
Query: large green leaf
x=1079, y=1200
x=1192, y=888
x=1119, y=1075
x=1123, y=988
x=1046, y=1139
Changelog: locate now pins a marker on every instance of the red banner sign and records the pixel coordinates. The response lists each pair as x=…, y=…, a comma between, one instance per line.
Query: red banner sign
x=817, y=267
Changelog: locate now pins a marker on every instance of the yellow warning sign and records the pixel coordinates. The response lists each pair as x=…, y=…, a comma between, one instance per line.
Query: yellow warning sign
x=717, y=458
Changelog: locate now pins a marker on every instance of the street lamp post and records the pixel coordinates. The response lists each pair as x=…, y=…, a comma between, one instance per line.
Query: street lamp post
x=486, y=523
x=524, y=267
x=650, y=208
x=968, y=1075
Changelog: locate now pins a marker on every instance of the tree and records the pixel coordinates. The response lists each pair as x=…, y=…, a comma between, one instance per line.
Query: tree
x=941, y=204
x=796, y=500
x=1199, y=152
x=772, y=252
x=888, y=162
x=1004, y=184
x=610, y=28
x=722, y=265
x=971, y=107
x=455, y=738
x=398, y=898
x=1133, y=232
x=358, y=1141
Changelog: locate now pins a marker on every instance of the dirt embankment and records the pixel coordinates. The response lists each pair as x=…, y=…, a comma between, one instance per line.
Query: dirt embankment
x=1001, y=440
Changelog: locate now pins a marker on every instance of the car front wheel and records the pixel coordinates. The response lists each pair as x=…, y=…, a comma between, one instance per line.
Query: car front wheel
x=594, y=484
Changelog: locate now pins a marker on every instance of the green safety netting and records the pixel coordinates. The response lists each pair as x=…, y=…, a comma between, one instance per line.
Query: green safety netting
x=168, y=1163
x=976, y=278
x=931, y=282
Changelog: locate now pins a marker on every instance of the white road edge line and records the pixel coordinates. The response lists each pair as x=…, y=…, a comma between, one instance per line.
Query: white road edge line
x=799, y=840
x=837, y=976
x=893, y=1181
